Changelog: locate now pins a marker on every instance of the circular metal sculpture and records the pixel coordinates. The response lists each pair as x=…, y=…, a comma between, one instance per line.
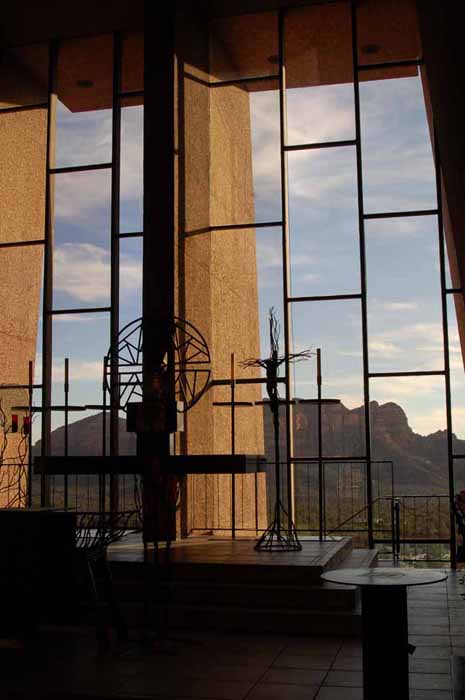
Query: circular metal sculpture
x=191, y=355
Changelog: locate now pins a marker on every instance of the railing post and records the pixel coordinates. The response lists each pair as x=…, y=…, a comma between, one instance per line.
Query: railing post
x=397, y=529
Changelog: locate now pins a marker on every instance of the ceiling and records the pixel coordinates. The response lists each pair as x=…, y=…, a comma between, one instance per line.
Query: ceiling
x=317, y=46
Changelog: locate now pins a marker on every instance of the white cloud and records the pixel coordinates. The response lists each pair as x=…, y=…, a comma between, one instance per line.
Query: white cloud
x=400, y=306
x=83, y=137
x=81, y=371
x=384, y=348
x=79, y=196
x=269, y=255
x=430, y=421
x=82, y=270
x=398, y=388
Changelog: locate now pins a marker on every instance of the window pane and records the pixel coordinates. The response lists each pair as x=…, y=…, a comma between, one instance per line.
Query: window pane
x=24, y=76
x=320, y=113
x=456, y=323
x=451, y=262
x=459, y=474
x=84, y=339
x=408, y=422
x=320, y=96
x=323, y=218
x=335, y=327
x=404, y=295
x=85, y=97
x=132, y=175
x=270, y=281
x=397, y=156
x=244, y=46
x=266, y=155
x=82, y=240
x=130, y=284
x=23, y=143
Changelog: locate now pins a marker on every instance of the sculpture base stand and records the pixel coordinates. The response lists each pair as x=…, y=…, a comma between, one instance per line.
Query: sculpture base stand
x=276, y=538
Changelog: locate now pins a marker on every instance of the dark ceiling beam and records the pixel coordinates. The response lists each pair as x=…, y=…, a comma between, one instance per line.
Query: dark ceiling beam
x=29, y=21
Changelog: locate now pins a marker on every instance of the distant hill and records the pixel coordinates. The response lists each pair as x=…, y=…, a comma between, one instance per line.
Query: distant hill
x=420, y=461
x=85, y=438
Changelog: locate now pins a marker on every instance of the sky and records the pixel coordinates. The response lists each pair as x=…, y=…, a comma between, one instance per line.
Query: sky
x=404, y=309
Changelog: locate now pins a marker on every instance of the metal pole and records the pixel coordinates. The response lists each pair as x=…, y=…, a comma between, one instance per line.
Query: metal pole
x=48, y=270
x=29, y=456
x=66, y=386
x=363, y=280
x=321, y=495
x=397, y=520
x=445, y=332
x=114, y=291
x=159, y=242
x=233, y=445
x=102, y=480
x=286, y=268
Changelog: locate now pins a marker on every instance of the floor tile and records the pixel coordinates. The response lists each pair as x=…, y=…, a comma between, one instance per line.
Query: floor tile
x=270, y=691
x=429, y=640
x=294, y=676
x=428, y=629
x=351, y=648
x=429, y=665
x=310, y=661
x=332, y=693
x=429, y=652
x=344, y=678
x=189, y=688
x=348, y=663
x=430, y=681
x=323, y=646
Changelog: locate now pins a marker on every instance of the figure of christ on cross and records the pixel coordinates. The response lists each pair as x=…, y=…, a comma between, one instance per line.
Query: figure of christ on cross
x=275, y=538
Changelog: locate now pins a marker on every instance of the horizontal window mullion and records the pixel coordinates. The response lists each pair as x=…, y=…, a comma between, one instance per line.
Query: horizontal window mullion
x=22, y=244
x=323, y=144
x=323, y=297
x=422, y=373
x=80, y=168
x=401, y=214
x=90, y=310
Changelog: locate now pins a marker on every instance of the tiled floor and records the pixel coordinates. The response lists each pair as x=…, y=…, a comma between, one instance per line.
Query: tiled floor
x=207, y=666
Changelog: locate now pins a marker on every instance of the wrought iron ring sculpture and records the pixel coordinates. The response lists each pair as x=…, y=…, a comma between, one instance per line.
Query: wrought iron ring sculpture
x=192, y=363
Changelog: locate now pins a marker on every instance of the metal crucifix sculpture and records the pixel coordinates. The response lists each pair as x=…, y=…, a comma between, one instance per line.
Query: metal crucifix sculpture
x=276, y=537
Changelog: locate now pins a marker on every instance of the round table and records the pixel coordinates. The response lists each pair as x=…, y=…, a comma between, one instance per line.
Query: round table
x=385, y=625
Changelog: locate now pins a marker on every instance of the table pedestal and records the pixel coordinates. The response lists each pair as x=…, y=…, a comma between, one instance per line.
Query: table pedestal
x=385, y=643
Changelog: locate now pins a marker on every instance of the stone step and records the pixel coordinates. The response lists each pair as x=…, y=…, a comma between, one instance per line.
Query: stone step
x=273, y=568
x=325, y=596
x=270, y=596
x=253, y=620
x=360, y=559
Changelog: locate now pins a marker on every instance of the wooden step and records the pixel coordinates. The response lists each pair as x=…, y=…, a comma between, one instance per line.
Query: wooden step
x=360, y=559
x=253, y=620
x=325, y=596
x=195, y=563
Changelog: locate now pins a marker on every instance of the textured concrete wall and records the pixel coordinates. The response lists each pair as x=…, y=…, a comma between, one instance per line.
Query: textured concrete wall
x=217, y=276
x=22, y=202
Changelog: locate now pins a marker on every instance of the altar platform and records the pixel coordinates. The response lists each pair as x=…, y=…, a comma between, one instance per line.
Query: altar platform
x=226, y=585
